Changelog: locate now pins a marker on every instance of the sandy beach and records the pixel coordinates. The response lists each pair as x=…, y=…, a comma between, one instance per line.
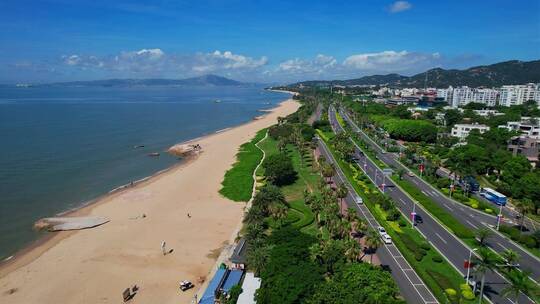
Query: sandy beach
x=96, y=265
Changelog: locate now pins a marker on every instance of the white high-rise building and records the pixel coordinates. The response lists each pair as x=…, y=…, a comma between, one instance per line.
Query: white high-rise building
x=486, y=96
x=512, y=95
x=464, y=95
x=445, y=94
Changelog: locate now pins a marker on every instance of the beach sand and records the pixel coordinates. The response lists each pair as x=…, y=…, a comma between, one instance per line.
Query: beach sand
x=96, y=265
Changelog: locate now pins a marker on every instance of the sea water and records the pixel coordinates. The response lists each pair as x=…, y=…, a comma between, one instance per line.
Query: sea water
x=63, y=146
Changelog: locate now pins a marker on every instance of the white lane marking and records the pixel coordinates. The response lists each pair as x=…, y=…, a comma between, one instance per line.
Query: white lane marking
x=425, y=193
x=448, y=207
x=475, y=227
x=402, y=201
x=502, y=245
x=435, y=193
x=441, y=238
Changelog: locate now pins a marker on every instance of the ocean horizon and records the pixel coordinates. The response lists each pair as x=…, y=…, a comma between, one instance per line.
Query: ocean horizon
x=64, y=147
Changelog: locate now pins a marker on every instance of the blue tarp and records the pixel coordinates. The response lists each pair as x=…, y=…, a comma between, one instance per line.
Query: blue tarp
x=208, y=296
x=233, y=279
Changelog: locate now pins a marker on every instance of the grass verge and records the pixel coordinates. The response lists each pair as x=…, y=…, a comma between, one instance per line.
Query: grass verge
x=238, y=182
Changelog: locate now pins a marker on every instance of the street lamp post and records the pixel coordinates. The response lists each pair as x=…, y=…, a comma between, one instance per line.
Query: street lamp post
x=499, y=216
x=469, y=263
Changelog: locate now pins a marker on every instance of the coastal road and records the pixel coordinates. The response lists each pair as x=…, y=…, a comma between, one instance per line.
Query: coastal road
x=469, y=217
x=410, y=285
x=453, y=249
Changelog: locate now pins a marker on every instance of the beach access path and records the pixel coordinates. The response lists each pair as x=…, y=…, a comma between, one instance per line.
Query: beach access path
x=96, y=265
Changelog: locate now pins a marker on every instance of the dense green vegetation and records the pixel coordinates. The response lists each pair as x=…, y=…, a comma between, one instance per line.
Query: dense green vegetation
x=410, y=130
x=299, y=243
x=238, y=181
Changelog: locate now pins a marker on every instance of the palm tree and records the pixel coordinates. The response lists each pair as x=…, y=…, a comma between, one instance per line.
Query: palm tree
x=351, y=214
x=342, y=192
x=257, y=258
x=510, y=258
x=279, y=212
x=353, y=250
x=328, y=171
x=482, y=235
x=486, y=261
x=523, y=207
x=373, y=241
x=520, y=283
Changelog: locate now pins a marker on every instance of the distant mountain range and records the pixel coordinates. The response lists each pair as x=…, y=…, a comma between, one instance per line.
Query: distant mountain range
x=495, y=75
x=206, y=80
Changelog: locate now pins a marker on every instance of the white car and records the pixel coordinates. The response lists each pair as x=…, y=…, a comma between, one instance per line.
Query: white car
x=386, y=239
x=381, y=230
x=358, y=200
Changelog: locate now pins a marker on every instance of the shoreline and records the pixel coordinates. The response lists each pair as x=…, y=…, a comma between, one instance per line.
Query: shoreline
x=85, y=207
x=38, y=248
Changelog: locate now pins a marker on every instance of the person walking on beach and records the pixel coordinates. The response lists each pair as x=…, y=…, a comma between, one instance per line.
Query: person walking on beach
x=163, y=248
x=189, y=215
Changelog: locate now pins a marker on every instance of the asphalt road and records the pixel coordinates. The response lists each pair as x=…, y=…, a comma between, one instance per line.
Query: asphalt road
x=409, y=283
x=455, y=251
x=469, y=217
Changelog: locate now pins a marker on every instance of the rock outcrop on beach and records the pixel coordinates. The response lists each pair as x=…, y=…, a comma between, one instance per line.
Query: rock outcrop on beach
x=183, y=150
x=69, y=223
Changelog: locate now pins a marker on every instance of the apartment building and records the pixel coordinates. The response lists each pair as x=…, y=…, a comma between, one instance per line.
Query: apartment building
x=512, y=95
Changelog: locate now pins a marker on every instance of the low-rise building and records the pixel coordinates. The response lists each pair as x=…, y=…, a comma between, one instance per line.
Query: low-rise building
x=461, y=131
x=526, y=146
x=528, y=126
x=486, y=113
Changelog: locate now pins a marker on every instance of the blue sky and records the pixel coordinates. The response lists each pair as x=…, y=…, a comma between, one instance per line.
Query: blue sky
x=281, y=41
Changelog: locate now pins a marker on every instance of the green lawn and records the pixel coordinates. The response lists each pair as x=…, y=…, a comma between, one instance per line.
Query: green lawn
x=237, y=184
x=300, y=215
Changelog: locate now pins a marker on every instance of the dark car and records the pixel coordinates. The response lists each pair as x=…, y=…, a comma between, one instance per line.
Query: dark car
x=418, y=219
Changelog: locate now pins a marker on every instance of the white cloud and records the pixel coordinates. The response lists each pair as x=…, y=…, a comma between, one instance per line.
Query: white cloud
x=319, y=65
x=400, y=6
x=390, y=61
x=149, y=62
x=217, y=60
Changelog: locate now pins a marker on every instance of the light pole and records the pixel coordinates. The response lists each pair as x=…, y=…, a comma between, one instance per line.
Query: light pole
x=499, y=217
x=469, y=263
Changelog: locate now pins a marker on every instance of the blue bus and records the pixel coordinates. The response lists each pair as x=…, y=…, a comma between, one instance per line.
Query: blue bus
x=493, y=196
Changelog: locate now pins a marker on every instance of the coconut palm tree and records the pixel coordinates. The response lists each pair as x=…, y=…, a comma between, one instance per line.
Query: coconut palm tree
x=279, y=212
x=524, y=207
x=342, y=192
x=373, y=241
x=351, y=214
x=486, y=261
x=482, y=235
x=353, y=250
x=328, y=171
x=520, y=283
x=510, y=258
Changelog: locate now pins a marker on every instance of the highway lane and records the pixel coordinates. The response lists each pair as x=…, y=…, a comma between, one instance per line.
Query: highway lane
x=455, y=251
x=410, y=285
x=469, y=217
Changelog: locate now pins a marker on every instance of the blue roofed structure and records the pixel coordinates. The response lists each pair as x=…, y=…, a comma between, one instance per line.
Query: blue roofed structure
x=233, y=278
x=209, y=295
